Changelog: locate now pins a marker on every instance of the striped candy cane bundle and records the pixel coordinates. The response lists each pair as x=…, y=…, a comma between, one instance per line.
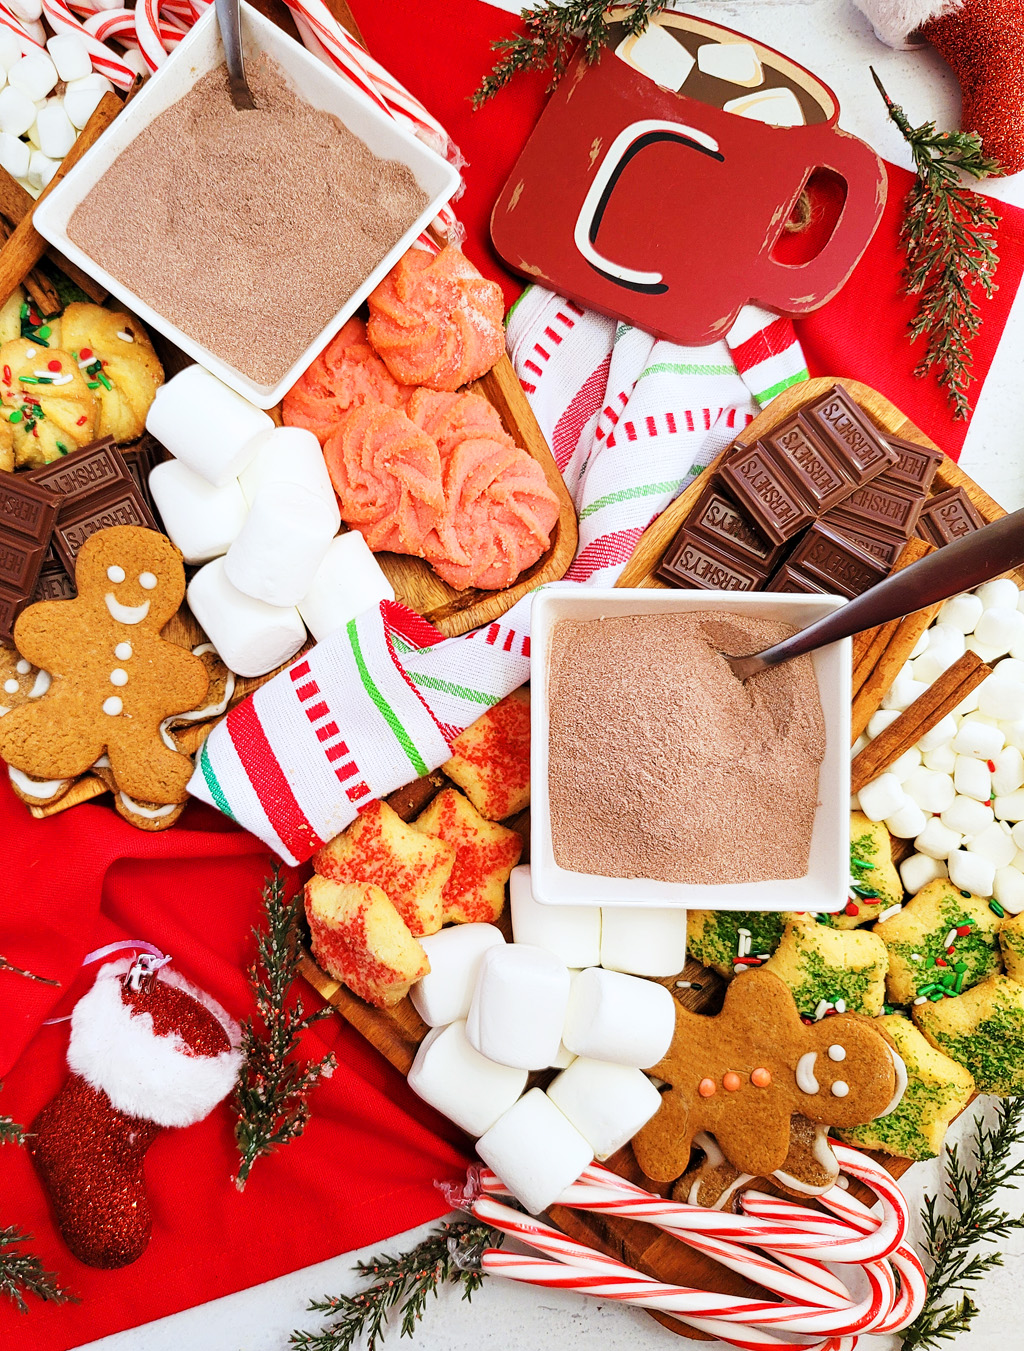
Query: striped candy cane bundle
x=776, y=1244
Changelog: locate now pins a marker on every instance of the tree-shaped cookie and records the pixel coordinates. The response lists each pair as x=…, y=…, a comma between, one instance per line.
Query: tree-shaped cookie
x=113, y=678
x=742, y=1075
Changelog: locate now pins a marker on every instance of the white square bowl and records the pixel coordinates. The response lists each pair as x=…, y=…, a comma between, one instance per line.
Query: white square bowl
x=825, y=887
x=315, y=83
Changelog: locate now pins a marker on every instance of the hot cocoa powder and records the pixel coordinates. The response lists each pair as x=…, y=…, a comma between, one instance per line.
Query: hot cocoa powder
x=663, y=765
x=248, y=230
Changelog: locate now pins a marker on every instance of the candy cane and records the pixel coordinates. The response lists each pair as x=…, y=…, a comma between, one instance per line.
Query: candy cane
x=11, y=22
x=120, y=24
x=104, y=59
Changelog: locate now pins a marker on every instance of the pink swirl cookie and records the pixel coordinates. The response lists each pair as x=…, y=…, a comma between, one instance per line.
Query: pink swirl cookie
x=387, y=474
x=435, y=321
x=348, y=372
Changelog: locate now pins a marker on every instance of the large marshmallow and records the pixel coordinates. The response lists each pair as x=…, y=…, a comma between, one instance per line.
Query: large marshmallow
x=621, y=1018
x=961, y=612
x=347, y=582
x=444, y=994
x=995, y=843
x=643, y=942
x=606, y=1103
x=571, y=932
x=252, y=638
x=10, y=49
x=288, y=455
x=920, y=869
x=451, y=1075
x=518, y=1006
x=282, y=544
x=14, y=153
x=206, y=425
x=1008, y=889
x=535, y=1150
x=932, y=791
x=971, y=872
x=882, y=797
x=201, y=520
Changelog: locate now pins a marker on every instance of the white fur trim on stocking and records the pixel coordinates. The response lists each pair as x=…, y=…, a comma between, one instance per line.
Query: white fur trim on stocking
x=114, y=1048
x=894, y=21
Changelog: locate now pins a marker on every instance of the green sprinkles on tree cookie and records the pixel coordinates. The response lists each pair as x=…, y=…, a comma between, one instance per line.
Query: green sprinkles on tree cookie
x=875, y=885
x=831, y=969
x=730, y=941
x=983, y=1030
x=943, y=942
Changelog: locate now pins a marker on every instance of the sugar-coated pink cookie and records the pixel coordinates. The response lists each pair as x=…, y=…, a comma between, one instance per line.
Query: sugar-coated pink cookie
x=435, y=321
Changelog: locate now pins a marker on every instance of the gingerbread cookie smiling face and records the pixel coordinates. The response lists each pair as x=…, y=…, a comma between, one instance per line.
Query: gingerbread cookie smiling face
x=114, y=679
x=743, y=1075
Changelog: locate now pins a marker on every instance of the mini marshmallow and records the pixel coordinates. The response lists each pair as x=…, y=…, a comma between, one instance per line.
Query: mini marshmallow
x=944, y=731
x=347, y=582
x=1002, y=593
x=81, y=98
x=1011, y=668
x=1017, y=831
x=736, y=62
x=920, y=869
x=879, y=721
x=1008, y=889
x=204, y=424
x=1009, y=771
x=70, y=56
x=882, y=797
x=986, y=652
x=284, y=540
x=451, y=1075
x=1014, y=733
x=920, y=647
x=535, y=1150
x=967, y=816
x=937, y=840
x=906, y=823
x=1001, y=698
x=1000, y=628
x=1010, y=806
x=931, y=791
x=17, y=111
x=995, y=843
x=563, y=1059
x=10, y=50
x=518, y=1006
x=288, y=455
x=620, y=1018
x=201, y=520
x=961, y=612
x=978, y=739
x=34, y=75
x=972, y=778
x=904, y=690
x=134, y=60
x=643, y=942
x=444, y=994
x=945, y=646
x=14, y=153
x=906, y=764
x=942, y=759
x=54, y=131
x=28, y=11
x=606, y=1103
x=571, y=932
x=252, y=638
x=41, y=169
x=971, y=872
x=860, y=744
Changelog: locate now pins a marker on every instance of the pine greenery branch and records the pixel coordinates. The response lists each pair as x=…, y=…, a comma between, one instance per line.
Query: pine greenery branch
x=22, y=1274
x=968, y=1216
x=402, y=1284
x=272, y=1094
x=950, y=252
x=551, y=34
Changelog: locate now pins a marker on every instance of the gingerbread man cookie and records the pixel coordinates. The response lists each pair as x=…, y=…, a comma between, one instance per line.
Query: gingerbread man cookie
x=743, y=1075
x=114, y=679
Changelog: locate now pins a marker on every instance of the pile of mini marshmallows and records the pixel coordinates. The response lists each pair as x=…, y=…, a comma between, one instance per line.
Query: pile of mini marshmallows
x=959, y=793
x=38, y=126
x=253, y=503
x=566, y=993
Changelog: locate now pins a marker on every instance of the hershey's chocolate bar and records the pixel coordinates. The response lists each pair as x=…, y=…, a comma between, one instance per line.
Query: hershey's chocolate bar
x=720, y=520
x=882, y=506
x=54, y=582
x=82, y=517
x=843, y=422
x=693, y=562
x=27, y=514
x=947, y=517
x=792, y=579
x=885, y=547
x=761, y=484
x=836, y=560
x=87, y=470
x=825, y=474
x=916, y=465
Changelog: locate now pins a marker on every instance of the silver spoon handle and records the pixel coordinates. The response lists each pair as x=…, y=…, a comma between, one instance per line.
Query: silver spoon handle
x=229, y=22
x=957, y=567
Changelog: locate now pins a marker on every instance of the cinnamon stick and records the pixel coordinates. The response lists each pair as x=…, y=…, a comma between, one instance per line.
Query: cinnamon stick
x=26, y=246
x=876, y=687
x=869, y=645
x=940, y=698
x=15, y=204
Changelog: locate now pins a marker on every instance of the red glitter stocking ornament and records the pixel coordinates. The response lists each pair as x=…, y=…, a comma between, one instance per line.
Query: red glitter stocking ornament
x=148, y=1050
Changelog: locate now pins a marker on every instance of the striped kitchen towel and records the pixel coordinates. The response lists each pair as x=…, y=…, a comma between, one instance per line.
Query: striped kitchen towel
x=631, y=420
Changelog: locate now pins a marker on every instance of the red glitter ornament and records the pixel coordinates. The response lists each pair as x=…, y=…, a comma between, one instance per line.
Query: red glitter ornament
x=146, y=1052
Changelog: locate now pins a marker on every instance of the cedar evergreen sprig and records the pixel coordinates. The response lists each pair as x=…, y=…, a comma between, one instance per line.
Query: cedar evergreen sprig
x=950, y=253
x=952, y=1235
x=272, y=1094
x=552, y=32
x=22, y=1274
x=450, y=1255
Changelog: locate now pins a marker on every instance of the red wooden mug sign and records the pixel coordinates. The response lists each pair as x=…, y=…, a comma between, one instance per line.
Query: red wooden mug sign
x=658, y=182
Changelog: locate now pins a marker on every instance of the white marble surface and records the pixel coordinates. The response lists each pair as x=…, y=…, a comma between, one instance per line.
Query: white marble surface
x=834, y=39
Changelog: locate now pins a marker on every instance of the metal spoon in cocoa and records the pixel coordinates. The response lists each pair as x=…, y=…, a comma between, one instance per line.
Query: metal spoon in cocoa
x=956, y=567
x=229, y=23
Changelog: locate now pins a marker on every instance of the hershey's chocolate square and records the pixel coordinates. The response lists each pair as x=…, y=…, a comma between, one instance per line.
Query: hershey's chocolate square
x=760, y=482
x=693, y=562
x=836, y=560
